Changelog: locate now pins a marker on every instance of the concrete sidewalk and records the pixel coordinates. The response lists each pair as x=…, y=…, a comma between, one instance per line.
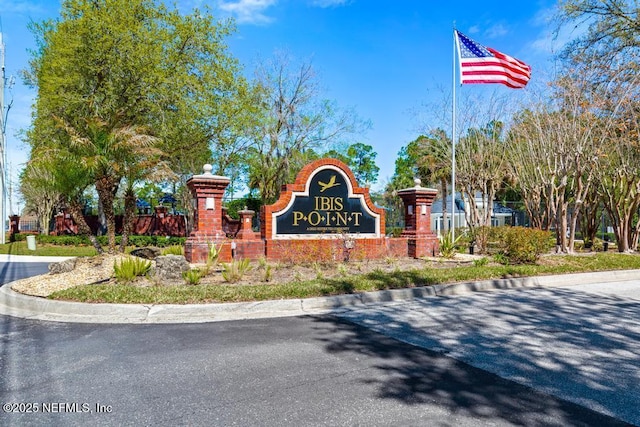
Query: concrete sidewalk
x=19, y=305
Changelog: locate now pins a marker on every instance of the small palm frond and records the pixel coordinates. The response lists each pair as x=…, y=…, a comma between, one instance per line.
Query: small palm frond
x=76, y=140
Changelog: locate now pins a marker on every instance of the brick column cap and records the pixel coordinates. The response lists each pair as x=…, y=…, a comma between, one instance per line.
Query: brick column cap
x=207, y=175
x=418, y=189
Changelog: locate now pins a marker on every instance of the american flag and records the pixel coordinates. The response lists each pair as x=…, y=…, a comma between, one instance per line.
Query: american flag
x=480, y=64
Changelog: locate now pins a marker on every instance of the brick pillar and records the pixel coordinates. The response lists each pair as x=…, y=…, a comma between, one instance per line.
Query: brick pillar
x=207, y=191
x=246, y=233
x=417, y=219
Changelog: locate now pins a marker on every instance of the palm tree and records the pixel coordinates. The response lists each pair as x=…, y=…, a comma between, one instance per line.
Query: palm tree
x=433, y=157
x=69, y=180
x=108, y=154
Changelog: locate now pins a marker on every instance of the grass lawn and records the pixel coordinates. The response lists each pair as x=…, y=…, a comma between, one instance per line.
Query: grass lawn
x=431, y=273
x=20, y=248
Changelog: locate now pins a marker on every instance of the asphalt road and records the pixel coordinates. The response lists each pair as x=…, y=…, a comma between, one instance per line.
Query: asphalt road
x=304, y=371
x=581, y=343
x=520, y=357
x=10, y=271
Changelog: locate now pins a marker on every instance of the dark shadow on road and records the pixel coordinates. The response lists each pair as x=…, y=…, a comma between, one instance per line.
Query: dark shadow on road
x=417, y=376
x=574, y=345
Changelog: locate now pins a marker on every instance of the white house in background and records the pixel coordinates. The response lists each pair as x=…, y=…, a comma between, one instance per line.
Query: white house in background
x=502, y=215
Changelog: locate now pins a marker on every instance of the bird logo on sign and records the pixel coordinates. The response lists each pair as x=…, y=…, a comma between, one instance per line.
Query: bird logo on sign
x=332, y=183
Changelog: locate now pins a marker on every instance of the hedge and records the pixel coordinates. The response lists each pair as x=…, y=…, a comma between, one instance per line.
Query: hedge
x=78, y=240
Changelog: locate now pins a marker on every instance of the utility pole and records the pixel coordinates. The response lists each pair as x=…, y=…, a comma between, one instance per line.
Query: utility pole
x=3, y=151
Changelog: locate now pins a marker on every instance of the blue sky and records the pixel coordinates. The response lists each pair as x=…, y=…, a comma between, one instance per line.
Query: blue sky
x=385, y=59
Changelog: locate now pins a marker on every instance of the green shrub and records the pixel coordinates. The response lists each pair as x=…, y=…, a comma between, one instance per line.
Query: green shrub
x=71, y=240
x=465, y=237
x=157, y=241
x=481, y=235
x=173, y=250
x=213, y=255
x=268, y=273
x=234, y=271
x=193, y=276
x=598, y=245
x=448, y=245
x=523, y=245
x=234, y=206
x=342, y=269
x=129, y=268
x=501, y=258
x=262, y=262
x=80, y=240
x=394, y=231
x=317, y=267
x=481, y=262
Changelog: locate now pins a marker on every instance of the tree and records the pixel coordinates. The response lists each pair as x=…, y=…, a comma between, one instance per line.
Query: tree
x=433, y=155
x=608, y=54
x=106, y=67
x=619, y=176
x=525, y=154
x=563, y=145
x=428, y=157
x=294, y=121
x=361, y=159
x=69, y=180
x=480, y=171
x=566, y=167
x=108, y=157
x=142, y=165
x=612, y=35
x=39, y=192
x=406, y=171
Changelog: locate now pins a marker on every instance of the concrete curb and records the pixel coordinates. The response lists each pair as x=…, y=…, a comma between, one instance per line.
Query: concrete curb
x=29, y=307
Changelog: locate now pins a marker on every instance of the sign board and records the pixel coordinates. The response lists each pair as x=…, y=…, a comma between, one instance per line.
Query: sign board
x=330, y=204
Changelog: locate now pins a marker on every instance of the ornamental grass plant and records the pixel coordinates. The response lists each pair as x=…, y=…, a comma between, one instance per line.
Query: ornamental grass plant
x=129, y=268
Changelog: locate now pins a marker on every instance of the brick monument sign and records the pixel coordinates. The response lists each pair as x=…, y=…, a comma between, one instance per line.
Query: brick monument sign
x=323, y=216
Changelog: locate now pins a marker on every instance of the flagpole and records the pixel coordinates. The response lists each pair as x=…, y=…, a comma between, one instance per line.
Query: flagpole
x=453, y=143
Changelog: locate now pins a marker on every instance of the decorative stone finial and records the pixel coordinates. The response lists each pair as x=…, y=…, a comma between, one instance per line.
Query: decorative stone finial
x=417, y=181
x=207, y=168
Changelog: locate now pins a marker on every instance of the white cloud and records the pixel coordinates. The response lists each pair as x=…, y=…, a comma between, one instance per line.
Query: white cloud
x=248, y=11
x=329, y=3
x=20, y=7
x=553, y=36
x=496, y=31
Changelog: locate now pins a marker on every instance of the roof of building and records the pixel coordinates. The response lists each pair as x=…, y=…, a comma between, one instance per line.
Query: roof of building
x=460, y=208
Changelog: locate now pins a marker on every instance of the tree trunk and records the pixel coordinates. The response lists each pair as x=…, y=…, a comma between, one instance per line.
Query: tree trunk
x=106, y=188
x=44, y=213
x=75, y=209
x=129, y=217
x=445, y=225
x=589, y=221
x=635, y=236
